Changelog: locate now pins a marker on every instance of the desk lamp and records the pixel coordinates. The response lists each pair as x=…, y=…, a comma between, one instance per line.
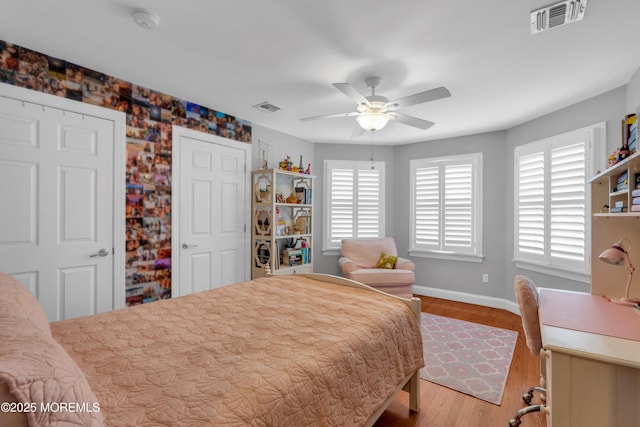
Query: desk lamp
x=617, y=255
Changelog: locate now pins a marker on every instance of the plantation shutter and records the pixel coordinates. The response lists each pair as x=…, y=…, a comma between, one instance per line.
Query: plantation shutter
x=552, y=202
x=342, y=206
x=427, y=207
x=446, y=208
x=368, y=208
x=458, y=207
x=354, y=201
x=531, y=206
x=568, y=204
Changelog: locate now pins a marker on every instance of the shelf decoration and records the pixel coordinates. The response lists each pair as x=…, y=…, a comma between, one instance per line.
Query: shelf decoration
x=629, y=132
x=302, y=221
x=628, y=146
x=263, y=149
x=635, y=196
x=286, y=164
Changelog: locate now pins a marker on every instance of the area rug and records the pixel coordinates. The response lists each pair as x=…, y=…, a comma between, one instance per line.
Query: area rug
x=467, y=357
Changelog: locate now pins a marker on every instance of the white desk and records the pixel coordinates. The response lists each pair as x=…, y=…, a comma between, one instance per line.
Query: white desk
x=593, y=379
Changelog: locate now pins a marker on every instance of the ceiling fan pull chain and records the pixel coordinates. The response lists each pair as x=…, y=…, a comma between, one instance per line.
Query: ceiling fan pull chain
x=372, y=150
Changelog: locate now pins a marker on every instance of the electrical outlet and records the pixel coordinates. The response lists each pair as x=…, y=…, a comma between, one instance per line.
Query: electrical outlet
x=485, y=278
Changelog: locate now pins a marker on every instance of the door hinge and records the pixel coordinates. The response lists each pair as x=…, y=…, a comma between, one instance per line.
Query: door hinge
x=245, y=228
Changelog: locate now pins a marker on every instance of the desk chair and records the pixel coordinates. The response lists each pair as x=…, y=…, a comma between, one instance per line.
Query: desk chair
x=527, y=296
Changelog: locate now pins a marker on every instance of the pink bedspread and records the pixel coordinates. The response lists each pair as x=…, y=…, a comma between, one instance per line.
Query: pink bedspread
x=279, y=351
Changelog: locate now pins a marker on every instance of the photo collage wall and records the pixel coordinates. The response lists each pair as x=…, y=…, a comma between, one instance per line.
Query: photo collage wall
x=150, y=116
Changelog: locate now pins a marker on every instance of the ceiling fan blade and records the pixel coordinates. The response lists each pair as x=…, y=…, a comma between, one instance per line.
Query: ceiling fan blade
x=357, y=131
x=330, y=116
x=349, y=90
x=419, y=98
x=412, y=121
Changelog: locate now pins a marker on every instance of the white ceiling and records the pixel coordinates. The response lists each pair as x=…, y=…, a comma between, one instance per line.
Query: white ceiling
x=230, y=55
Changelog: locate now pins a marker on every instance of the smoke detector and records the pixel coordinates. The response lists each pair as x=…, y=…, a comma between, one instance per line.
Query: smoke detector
x=146, y=20
x=556, y=15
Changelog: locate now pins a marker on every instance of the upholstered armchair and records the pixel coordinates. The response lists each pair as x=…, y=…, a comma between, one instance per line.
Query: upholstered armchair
x=375, y=262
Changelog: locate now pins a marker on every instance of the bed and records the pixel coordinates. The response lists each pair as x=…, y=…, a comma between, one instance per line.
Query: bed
x=283, y=350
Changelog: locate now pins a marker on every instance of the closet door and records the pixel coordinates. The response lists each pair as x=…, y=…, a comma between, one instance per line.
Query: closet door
x=212, y=210
x=56, y=206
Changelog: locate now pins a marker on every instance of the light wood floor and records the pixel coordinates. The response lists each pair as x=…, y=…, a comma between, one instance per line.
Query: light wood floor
x=443, y=407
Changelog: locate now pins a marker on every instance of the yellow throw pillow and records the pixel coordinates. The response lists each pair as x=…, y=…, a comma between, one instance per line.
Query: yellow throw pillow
x=386, y=261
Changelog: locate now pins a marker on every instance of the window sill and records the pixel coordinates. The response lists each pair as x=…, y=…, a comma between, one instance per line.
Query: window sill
x=554, y=271
x=330, y=251
x=446, y=256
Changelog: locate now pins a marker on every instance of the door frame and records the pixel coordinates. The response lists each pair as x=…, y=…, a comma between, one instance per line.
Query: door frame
x=177, y=132
x=119, y=120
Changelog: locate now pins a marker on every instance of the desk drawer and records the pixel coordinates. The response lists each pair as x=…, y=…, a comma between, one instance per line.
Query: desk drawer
x=591, y=393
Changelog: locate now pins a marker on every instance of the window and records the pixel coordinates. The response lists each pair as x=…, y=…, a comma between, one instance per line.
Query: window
x=446, y=207
x=354, y=201
x=552, y=204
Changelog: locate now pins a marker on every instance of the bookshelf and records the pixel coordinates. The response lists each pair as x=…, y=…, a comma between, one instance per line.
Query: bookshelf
x=281, y=229
x=607, y=227
x=607, y=190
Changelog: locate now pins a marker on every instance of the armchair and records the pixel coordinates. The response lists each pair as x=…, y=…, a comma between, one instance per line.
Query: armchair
x=359, y=258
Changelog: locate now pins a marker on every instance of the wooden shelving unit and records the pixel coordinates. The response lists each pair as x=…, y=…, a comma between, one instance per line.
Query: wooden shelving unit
x=605, y=185
x=281, y=229
x=608, y=227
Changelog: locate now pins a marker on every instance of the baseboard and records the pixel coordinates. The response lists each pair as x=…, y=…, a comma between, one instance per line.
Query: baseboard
x=483, y=300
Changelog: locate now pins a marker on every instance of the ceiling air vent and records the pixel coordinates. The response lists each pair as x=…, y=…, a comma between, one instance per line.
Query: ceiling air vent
x=557, y=15
x=266, y=106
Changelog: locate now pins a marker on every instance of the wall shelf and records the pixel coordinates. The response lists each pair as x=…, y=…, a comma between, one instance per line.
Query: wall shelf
x=609, y=227
x=620, y=214
x=619, y=193
x=631, y=162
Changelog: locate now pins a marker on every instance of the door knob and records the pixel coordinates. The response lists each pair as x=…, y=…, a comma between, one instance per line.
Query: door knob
x=187, y=246
x=102, y=252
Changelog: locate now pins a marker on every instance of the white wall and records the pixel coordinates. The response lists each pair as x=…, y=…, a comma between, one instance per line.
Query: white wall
x=328, y=263
x=633, y=93
x=280, y=145
x=459, y=276
x=609, y=107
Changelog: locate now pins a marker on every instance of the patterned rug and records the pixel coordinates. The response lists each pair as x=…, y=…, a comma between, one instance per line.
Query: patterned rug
x=467, y=357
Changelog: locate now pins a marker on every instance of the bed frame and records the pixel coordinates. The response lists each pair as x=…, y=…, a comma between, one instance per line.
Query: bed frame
x=411, y=383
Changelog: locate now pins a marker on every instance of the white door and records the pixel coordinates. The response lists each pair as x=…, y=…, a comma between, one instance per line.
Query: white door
x=213, y=209
x=56, y=206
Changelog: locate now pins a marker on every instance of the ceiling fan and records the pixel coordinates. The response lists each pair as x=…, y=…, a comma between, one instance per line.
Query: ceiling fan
x=373, y=112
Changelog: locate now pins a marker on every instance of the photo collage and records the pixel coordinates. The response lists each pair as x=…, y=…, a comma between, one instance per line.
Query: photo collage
x=150, y=116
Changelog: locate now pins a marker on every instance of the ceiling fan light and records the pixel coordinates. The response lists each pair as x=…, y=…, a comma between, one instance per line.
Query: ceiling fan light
x=372, y=121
